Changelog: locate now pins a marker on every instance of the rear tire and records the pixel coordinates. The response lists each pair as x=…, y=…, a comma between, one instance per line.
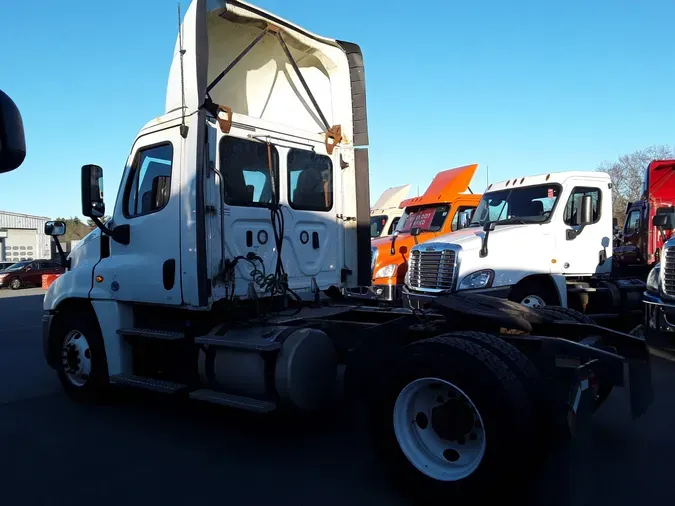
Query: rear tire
x=442, y=449
x=81, y=363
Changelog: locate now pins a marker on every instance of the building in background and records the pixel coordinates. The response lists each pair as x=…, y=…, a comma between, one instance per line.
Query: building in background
x=22, y=237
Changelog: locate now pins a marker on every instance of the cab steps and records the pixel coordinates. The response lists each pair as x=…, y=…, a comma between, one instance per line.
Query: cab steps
x=233, y=401
x=200, y=394
x=152, y=384
x=166, y=335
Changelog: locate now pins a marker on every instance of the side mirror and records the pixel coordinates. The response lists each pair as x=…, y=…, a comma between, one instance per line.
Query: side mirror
x=12, y=139
x=55, y=228
x=663, y=221
x=585, y=214
x=463, y=220
x=92, y=191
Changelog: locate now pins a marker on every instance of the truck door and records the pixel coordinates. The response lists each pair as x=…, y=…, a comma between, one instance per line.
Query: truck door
x=148, y=269
x=584, y=254
x=629, y=252
x=311, y=234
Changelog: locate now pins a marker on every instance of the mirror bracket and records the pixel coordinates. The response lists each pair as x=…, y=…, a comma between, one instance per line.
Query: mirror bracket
x=572, y=234
x=120, y=233
x=487, y=228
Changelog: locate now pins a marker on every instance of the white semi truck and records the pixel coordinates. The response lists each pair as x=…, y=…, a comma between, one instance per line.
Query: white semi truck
x=543, y=240
x=241, y=219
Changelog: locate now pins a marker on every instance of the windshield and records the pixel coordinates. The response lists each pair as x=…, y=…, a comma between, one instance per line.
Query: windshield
x=377, y=224
x=16, y=267
x=428, y=219
x=529, y=204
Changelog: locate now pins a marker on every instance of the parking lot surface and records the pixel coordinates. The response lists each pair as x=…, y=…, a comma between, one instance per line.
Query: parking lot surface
x=142, y=449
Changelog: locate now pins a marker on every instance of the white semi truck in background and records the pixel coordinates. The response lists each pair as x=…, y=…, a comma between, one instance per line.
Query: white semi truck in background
x=242, y=218
x=543, y=240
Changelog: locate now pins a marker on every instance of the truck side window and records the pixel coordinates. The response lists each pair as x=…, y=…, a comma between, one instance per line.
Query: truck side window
x=310, y=181
x=633, y=222
x=392, y=227
x=149, y=186
x=455, y=218
x=573, y=205
x=246, y=172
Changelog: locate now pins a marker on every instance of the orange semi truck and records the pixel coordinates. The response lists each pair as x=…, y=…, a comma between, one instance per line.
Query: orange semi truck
x=443, y=208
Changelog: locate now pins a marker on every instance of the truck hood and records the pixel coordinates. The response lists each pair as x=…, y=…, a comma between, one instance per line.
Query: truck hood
x=502, y=236
x=82, y=249
x=445, y=187
x=391, y=197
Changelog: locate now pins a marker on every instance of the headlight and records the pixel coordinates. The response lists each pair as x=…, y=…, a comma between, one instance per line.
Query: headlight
x=478, y=279
x=386, y=272
x=653, y=278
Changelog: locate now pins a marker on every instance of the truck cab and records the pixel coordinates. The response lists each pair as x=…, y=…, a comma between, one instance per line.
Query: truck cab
x=641, y=243
x=386, y=212
x=444, y=207
x=244, y=190
x=529, y=238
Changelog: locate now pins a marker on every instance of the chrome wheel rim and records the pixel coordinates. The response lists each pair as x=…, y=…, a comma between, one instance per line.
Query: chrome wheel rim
x=76, y=358
x=533, y=301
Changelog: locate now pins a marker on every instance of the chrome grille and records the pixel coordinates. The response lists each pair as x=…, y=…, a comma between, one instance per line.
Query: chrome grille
x=669, y=271
x=432, y=270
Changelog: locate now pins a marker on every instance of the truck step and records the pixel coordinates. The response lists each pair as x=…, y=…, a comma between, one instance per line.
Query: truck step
x=233, y=401
x=238, y=343
x=168, y=335
x=152, y=384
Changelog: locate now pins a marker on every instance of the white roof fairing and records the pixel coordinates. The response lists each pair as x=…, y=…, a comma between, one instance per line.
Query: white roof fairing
x=263, y=84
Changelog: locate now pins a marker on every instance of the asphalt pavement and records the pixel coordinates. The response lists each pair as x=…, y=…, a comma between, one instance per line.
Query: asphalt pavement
x=147, y=450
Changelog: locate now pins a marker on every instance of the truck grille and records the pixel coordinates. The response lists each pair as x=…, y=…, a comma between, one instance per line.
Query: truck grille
x=669, y=271
x=432, y=270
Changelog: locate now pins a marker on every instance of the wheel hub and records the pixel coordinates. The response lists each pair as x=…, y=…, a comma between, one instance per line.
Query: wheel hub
x=76, y=358
x=452, y=420
x=533, y=301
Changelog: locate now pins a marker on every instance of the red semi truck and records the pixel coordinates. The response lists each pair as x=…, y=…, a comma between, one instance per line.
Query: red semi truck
x=641, y=242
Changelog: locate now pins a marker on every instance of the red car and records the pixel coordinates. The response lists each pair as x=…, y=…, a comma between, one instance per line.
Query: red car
x=28, y=272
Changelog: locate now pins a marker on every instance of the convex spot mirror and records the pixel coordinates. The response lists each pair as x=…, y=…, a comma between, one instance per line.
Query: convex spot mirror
x=55, y=228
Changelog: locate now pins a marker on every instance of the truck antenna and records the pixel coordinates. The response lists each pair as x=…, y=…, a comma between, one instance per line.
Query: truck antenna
x=183, y=127
x=487, y=176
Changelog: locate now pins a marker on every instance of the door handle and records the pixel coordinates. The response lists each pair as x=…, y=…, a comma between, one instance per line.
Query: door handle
x=315, y=240
x=169, y=274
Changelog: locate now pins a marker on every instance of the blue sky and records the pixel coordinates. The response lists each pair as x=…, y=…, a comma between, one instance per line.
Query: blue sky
x=521, y=87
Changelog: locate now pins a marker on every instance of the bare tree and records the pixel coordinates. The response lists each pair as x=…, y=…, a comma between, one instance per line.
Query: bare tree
x=627, y=173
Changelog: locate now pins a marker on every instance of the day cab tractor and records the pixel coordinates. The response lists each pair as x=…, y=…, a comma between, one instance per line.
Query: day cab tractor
x=238, y=226
x=641, y=242
x=444, y=207
x=386, y=212
x=543, y=240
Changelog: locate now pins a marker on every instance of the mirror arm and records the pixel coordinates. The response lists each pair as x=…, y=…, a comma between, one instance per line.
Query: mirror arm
x=118, y=234
x=62, y=254
x=572, y=234
x=484, y=249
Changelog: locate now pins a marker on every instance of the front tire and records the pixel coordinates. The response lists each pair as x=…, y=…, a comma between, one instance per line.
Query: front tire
x=81, y=363
x=534, y=293
x=453, y=419
x=15, y=284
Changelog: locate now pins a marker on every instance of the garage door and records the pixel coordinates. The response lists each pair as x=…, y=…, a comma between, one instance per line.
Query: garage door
x=21, y=245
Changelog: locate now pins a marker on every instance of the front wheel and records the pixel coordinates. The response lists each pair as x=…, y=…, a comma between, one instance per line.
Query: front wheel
x=534, y=293
x=15, y=284
x=451, y=420
x=81, y=365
